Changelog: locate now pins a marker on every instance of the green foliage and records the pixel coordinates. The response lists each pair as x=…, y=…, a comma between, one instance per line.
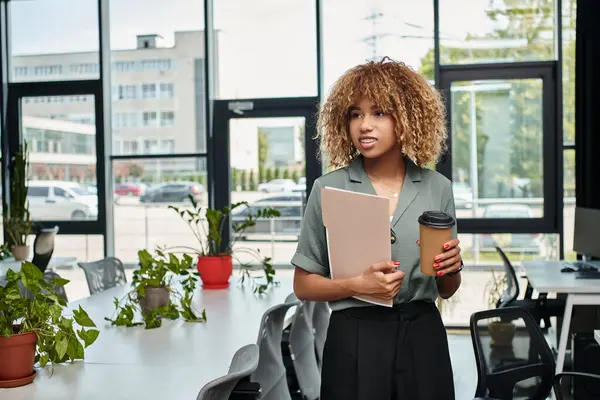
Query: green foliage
x=277, y=173
x=58, y=339
x=286, y=174
x=244, y=180
x=17, y=219
x=295, y=176
x=235, y=178
x=208, y=224
x=159, y=272
x=263, y=147
x=252, y=184
x=5, y=252
x=269, y=174
x=261, y=174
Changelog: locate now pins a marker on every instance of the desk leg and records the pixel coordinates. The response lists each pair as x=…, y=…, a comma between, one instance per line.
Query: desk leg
x=564, y=334
x=572, y=300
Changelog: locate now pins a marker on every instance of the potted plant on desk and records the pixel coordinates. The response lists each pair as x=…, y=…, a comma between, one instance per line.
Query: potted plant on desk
x=33, y=328
x=215, y=258
x=18, y=221
x=153, y=287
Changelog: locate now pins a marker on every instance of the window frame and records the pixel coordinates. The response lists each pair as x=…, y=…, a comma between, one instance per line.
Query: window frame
x=551, y=150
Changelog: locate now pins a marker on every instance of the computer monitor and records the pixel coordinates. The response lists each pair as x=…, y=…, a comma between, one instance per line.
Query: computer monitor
x=586, y=234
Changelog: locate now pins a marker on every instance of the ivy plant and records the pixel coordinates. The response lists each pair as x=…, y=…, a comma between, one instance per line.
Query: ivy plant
x=41, y=311
x=162, y=270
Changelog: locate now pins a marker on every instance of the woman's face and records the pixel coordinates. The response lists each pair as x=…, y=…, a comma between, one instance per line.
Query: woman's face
x=371, y=130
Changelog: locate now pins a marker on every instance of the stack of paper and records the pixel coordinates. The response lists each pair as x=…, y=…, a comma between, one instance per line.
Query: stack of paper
x=358, y=233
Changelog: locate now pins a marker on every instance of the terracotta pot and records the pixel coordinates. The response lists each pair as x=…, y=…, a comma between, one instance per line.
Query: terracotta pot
x=502, y=333
x=17, y=356
x=215, y=271
x=21, y=253
x=155, y=297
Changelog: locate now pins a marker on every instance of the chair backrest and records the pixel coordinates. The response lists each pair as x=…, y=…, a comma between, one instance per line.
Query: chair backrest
x=43, y=247
x=513, y=360
x=271, y=372
x=104, y=274
x=60, y=290
x=302, y=350
x=243, y=364
x=320, y=320
x=48, y=276
x=512, y=288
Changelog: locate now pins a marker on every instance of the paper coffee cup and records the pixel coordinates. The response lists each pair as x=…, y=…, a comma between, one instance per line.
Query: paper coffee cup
x=435, y=229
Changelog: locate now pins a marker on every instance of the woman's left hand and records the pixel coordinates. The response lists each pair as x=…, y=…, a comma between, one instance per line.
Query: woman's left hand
x=450, y=260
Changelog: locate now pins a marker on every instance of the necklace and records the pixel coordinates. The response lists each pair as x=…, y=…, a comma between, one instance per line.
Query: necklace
x=395, y=194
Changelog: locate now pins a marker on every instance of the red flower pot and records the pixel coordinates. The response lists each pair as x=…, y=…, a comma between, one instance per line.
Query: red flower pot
x=215, y=271
x=17, y=357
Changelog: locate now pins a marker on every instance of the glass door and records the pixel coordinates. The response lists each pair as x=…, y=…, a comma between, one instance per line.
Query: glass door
x=264, y=155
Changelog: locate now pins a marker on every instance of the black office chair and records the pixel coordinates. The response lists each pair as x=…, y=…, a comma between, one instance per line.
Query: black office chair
x=43, y=247
x=523, y=369
x=541, y=308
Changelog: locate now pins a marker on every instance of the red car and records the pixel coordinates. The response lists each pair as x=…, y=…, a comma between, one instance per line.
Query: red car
x=129, y=189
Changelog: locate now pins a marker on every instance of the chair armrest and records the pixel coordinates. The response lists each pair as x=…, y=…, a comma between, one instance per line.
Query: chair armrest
x=561, y=375
x=245, y=390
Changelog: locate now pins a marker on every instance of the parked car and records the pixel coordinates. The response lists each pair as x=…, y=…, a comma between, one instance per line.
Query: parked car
x=516, y=242
x=61, y=201
x=173, y=192
x=130, y=189
x=287, y=225
x=463, y=195
x=277, y=185
x=301, y=185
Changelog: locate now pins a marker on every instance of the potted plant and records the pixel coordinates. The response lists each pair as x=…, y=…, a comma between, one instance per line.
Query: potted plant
x=501, y=332
x=18, y=222
x=34, y=329
x=215, y=258
x=153, y=286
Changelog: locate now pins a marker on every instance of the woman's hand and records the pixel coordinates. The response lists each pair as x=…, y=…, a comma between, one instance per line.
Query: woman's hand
x=381, y=280
x=450, y=260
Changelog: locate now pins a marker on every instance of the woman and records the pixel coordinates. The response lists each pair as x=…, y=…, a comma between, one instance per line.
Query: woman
x=380, y=126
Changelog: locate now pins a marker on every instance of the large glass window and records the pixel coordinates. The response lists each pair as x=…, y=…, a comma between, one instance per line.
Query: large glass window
x=144, y=189
x=368, y=30
x=62, y=157
x=45, y=48
x=497, y=163
x=266, y=48
x=476, y=31
x=157, y=75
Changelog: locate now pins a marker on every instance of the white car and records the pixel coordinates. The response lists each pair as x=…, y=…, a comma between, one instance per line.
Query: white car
x=277, y=185
x=61, y=201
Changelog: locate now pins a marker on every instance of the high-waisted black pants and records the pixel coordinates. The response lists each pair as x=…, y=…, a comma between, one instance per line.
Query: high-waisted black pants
x=381, y=353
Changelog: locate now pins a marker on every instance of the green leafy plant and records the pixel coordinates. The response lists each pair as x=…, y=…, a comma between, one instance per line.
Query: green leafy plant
x=5, y=251
x=17, y=219
x=164, y=270
x=41, y=312
x=207, y=225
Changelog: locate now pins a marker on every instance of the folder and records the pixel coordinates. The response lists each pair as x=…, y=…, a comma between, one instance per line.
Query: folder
x=357, y=227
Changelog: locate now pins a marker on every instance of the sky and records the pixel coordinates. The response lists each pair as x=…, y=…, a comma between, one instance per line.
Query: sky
x=267, y=47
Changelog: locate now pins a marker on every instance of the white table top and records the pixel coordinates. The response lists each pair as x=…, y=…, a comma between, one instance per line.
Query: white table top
x=545, y=276
x=173, y=361
x=15, y=265
x=597, y=336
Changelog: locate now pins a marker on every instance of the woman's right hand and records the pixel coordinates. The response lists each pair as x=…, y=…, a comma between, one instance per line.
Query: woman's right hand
x=380, y=280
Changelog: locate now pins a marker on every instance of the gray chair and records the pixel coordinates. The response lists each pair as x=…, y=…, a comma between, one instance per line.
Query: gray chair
x=302, y=350
x=271, y=372
x=243, y=364
x=320, y=320
x=104, y=274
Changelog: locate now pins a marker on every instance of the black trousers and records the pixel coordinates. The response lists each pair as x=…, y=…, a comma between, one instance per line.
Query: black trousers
x=381, y=353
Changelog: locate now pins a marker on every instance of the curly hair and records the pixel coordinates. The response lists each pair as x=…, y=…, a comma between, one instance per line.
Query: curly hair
x=415, y=106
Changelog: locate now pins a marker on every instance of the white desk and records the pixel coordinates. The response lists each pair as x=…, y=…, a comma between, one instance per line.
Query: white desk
x=15, y=265
x=545, y=276
x=170, y=362
x=597, y=336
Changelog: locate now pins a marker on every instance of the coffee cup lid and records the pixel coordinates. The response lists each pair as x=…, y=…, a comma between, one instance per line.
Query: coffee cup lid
x=436, y=219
